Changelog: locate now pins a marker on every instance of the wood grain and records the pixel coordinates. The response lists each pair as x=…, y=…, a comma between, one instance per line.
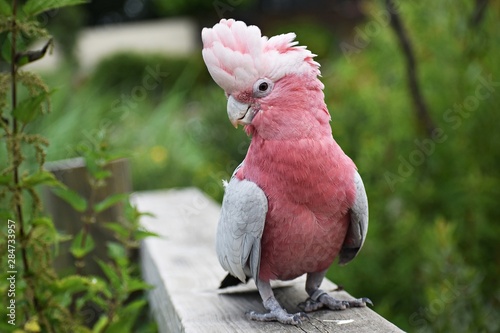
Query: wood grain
x=183, y=267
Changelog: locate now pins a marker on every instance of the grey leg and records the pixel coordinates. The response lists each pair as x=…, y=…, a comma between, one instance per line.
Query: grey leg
x=319, y=298
x=276, y=312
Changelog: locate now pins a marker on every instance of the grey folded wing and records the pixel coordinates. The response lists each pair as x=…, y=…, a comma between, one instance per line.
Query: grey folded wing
x=358, y=226
x=240, y=228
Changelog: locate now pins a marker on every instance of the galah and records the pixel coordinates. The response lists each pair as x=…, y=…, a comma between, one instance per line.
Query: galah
x=296, y=202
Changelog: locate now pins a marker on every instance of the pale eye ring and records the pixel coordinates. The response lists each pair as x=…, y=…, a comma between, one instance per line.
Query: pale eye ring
x=262, y=87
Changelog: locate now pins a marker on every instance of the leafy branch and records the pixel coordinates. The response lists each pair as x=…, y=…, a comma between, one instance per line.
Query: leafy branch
x=122, y=276
x=45, y=301
x=422, y=111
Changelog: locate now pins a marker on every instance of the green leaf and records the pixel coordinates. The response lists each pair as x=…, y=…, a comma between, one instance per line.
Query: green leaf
x=45, y=222
x=117, y=252
x=5, y=8
x=133, y=214
x=79, y=250
x=50, y=231
x=72, y=198
x=98, y=286
x=102, y=174
x=95, y=165
x=5, y=180
x=5, y=214
x=118, y=228
x=63, y=237
x=91, y=159
x=32, y=325
x=101, y=301
x=73, y=283
x=101, y=324
x=110, y=201
x=44, y=227
x=110, y=273
x=141, y=234
x=6, y=52
x=40, y=178
x=137, y=284
x=28, y=109
x=126, y=317
x=35, y=7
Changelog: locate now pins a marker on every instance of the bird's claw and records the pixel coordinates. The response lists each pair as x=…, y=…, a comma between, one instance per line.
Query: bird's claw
x=280, y=315
x=328, y=301
x=311, y=305
x=366, y=300
x=359, y=302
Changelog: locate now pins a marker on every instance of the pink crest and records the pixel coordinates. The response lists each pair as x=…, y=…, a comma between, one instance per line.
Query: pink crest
x=237, y=55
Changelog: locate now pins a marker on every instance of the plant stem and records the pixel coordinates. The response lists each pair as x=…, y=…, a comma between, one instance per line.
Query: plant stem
x=88, y=218
x=422, y=111
x=91, y=215
x=13, y=56
x=112, y=305
x=478, y=13
x=17, y=160
x=16, y=146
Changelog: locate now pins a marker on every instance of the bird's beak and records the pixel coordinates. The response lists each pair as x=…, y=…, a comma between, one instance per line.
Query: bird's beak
x=239, y=113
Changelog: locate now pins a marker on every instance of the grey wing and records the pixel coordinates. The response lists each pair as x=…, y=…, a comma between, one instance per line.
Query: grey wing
x=240, y=228
x=358, y=226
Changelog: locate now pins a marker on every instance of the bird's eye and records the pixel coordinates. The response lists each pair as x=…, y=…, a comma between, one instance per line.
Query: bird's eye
x=262, y=88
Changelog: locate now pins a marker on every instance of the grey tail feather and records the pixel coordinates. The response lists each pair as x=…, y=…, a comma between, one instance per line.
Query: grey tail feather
x=230, y=281
x=347, y=254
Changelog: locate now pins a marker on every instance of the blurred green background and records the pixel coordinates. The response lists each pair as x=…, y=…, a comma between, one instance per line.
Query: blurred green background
x=431, y=262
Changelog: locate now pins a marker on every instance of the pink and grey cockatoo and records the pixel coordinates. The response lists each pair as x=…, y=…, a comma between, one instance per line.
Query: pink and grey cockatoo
x=296, y=202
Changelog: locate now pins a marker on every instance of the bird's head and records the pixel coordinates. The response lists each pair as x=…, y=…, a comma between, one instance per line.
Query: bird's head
x=261, y=76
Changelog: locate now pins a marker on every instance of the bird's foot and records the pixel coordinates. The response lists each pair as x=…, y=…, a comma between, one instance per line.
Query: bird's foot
x=277, y=313
x=320, y=299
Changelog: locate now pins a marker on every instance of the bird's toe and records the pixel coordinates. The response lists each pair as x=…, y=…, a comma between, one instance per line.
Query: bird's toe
x=279, y=316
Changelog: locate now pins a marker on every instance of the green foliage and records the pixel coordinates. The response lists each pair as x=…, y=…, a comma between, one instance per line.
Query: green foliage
x=432, y=200
x=37, y=178
x=122, y=276
x=44, y=300
x=82, y=245
x=5, y=9
x=27, y=110
x=154, y=75
x=34, y=7
x=33, y=236
x=110, y=201
x=72, y=198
